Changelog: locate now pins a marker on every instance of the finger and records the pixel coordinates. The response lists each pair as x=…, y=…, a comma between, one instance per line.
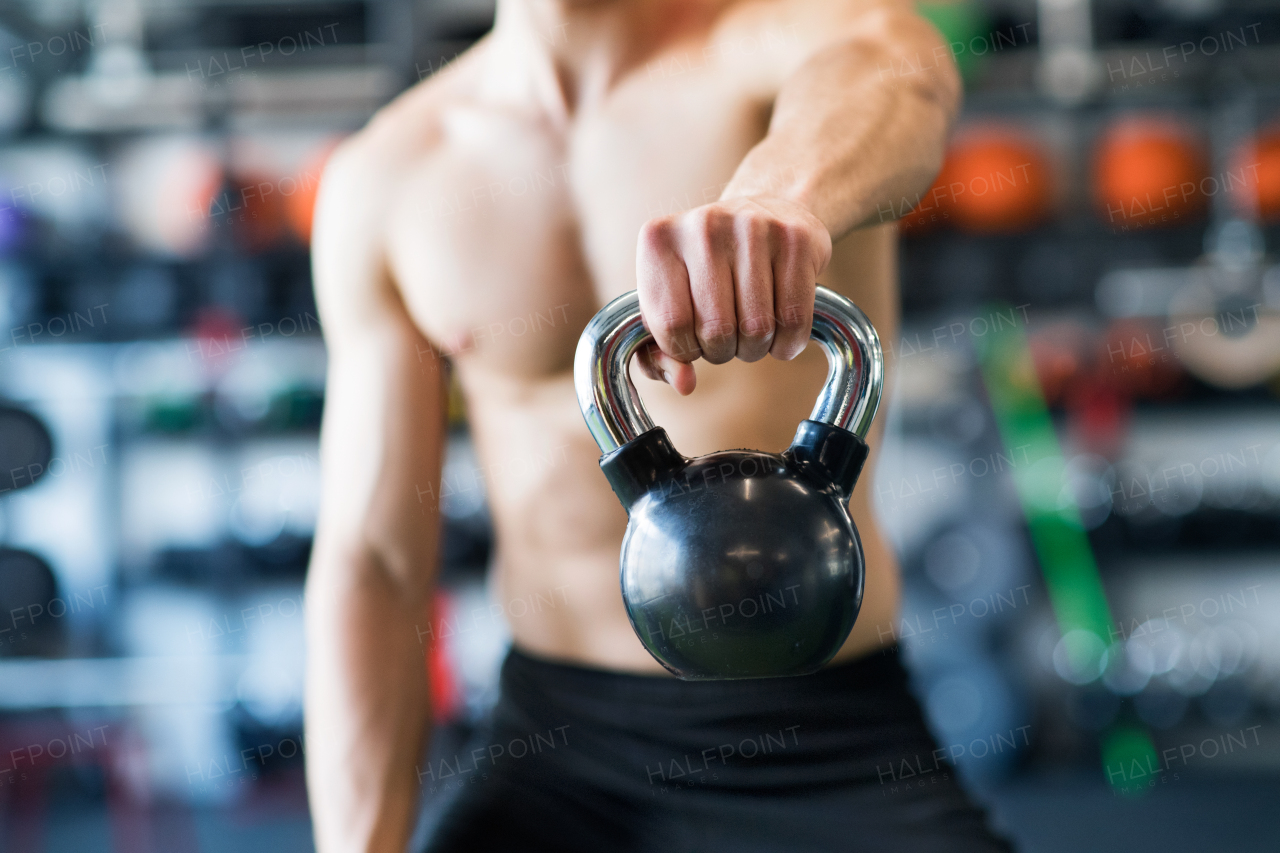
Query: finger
x=794, y=289
x=681, y=377
x=663, y=286
x=660, y=367
x=707, y=252
x=754, y=291
x=647, y=360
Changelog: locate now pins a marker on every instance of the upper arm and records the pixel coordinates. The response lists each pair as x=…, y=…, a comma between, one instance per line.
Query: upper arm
x=383, y=430
x=888, y=37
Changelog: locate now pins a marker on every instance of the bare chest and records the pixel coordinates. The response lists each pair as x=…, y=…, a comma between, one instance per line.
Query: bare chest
x=510, y=237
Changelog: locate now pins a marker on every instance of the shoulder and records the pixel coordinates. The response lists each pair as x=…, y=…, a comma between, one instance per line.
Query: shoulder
x=780, y=35
x=366, y=173
x=362, y=183
x=761, y=44
x=369, y=165
x=811, y=21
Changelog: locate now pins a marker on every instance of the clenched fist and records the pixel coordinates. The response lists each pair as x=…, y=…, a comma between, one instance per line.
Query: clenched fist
x=732, y=279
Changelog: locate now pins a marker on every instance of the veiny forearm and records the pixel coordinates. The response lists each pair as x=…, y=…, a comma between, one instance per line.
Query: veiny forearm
x=367, y=706
x=858, y=127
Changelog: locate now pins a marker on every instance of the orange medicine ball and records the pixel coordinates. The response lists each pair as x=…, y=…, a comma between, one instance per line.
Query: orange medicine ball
x=1257, y=164
x=255, y=209
x=995, y=180
x=1147, y=172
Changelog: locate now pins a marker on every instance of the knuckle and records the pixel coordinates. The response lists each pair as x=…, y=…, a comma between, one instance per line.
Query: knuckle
x=758, y=326
x=684, y=346
x=668, y=324
x=718, y=340
x=656, y=233
x=678, y=341
x=775, y=232
x=755, y=227
x=713, y=222
x=716, y=216
x=663, y=319
x=716, y=330
x=792, y=318
x=793, y=236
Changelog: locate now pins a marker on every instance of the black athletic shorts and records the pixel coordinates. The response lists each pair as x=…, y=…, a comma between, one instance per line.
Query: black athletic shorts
x=577, y=759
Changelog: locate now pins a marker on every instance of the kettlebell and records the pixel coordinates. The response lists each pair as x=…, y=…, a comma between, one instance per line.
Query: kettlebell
x=740, y=563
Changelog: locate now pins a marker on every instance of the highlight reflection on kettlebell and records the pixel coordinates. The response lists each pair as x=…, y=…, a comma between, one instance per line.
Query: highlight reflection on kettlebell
x=711, y=538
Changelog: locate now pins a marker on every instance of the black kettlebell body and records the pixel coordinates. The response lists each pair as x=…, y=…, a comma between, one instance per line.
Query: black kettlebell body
x=740, y=563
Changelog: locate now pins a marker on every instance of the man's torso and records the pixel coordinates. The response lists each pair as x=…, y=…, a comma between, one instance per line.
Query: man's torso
x=510, y=229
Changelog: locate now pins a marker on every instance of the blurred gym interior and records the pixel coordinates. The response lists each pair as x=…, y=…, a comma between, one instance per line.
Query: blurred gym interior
x=1092, y=279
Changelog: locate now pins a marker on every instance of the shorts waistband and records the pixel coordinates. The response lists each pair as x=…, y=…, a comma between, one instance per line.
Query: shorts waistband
x=877, y=677
x=811, y=730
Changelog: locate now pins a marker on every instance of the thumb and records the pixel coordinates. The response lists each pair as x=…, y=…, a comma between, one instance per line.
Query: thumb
x=659, y=366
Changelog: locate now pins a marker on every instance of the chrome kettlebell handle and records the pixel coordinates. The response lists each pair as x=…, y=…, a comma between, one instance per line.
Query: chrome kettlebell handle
x=615, y=414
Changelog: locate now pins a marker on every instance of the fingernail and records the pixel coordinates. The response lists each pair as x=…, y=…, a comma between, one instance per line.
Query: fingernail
x=667, y=377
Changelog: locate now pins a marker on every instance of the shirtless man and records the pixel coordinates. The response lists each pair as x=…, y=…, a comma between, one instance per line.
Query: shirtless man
x=720, y=156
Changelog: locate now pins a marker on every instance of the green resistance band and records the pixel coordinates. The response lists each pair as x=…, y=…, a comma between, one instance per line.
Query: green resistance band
x=1053, y=518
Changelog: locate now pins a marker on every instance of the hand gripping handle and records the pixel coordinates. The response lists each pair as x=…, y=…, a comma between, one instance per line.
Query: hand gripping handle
x=615, y=414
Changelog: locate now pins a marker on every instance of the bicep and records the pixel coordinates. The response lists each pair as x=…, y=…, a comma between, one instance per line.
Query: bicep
x=381, y=447
x=826, y=43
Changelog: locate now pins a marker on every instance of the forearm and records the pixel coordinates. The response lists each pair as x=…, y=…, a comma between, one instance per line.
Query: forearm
x=857, y=128
x=367, y=707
